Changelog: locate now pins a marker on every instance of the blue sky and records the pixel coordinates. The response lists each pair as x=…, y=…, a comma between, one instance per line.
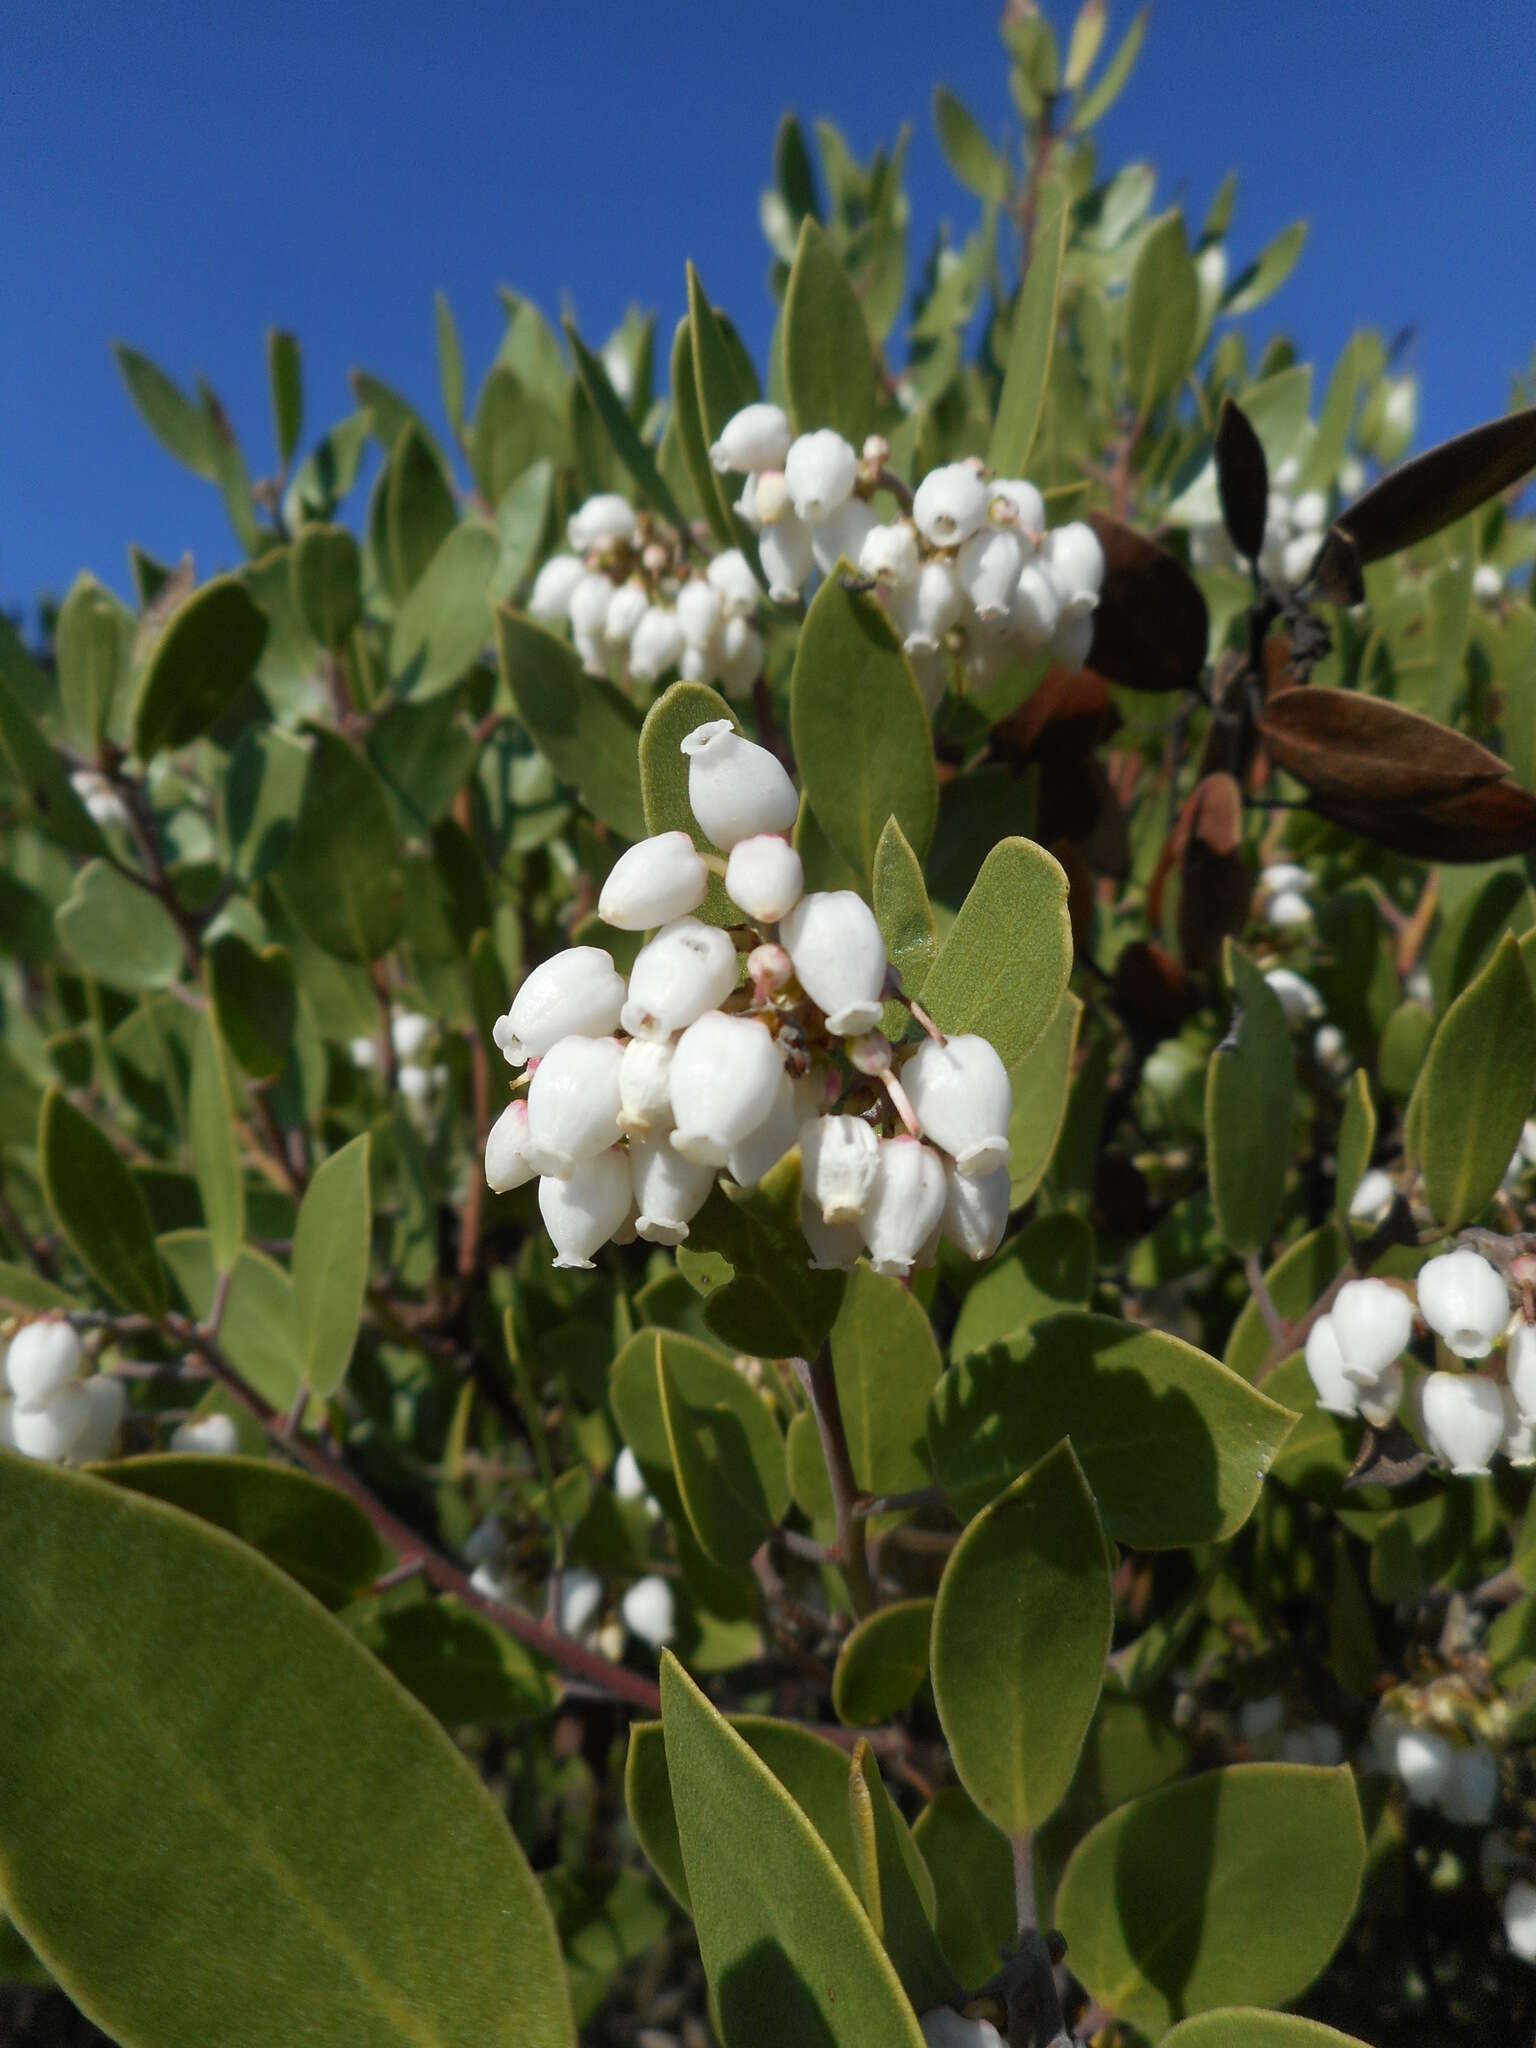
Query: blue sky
x=183, y=177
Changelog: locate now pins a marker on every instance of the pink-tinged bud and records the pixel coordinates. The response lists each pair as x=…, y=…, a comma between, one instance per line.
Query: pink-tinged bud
x=508, y=1160
x=1464, y=1301
x=988, y=568
x=1024, y=504
x=645, y=1090
x=602, y=522
x=786, y=552
x=839, y=955
x=669, y=1189
x=582, y=1212
x=890, y=554
x=652, y=883
x=756, y=438
x=578, y=992
x=550, y=599
x=976, y=1210
x=44, y=1357
x=842, y=535
x=820, y=471
x=724, y=1082
x=730, y=575
x=736, y=789
x=686, y=969
x=1463, y=1418
x=963, y=1099
x=1337, y=1393
x=905, y=1204
x=769, y=969
x=949, y=505
x=1373, y=1323
x=838, y=1156
x=573, y=1104
x=764, y=877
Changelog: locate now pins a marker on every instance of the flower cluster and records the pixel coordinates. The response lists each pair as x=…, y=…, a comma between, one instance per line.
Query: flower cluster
x=638, y=607
x=725, y=1048
x=1354, y=1358
x=421, y=1081
x=1293, y=532
x=53, y=1411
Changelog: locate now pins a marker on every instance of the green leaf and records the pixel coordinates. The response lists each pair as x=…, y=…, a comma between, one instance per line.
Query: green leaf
x=882, y=1664
x=307, y=1529
x=285, y=377
x=1248, y=1089
x=522, y=517
x=330, y=1263
x=1174, y=1445
x=462, y=1669
x=96, y=1202
x=858, y=773
x=1047, y=1268
x=118, y=933
x=342, y=875
x=664, y=776
x=419, y=510
x=587, y=731
x=829, y=365
x=450, y=365
x=93, y=642
x=886, y=1362
x=1476, y=1088
x=622, y=432
x=1042, y=1083
x=176, y=423
x=775, y=1306
x=1357, y=1140
x=786, y=1946
x=202, y=661
x=687, y=419
x=966, y=149
x=303, y=1880
x=325, y=571
x=903, y=1917
x=215, y=1148
x=1235, y=1885
x=260, y=1329
x=328, y=472
x=1003, y=969
x=1021, y=1630
x=1162, y=313
x=714, y=1462
x=723, y=382
x=1268, y=271
x=254, y=1002
x=1031, y=343
x=442, y=626
x=43, y=781
x=1086, y=41
x=1114, y=78
x=972, y=1868
x=903, y=913
x=1248, y=2027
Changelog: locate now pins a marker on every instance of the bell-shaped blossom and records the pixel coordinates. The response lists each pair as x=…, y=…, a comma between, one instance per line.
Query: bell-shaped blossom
x=1520, y=1366
x=839, y=955
x=669, y=1189
x=509, y=1159
x=1072, y=642
x=820, y=471
x=628, y=1478
x=699, y=609
x=583, y=1211
x=550, y=598
x=1077, y=556
x=50, y=1431
x=591, y=601
x=1518, y=1442
x=1520, y=1919
x=1422, y=1757
x=1298, y=998
x=1463, y=1416
x=1374, y=1195
x=842, y=536
x=1381, y=1398
x=758, y=437
x=580, y=1601
x=604, y=521
x=1487, y=583
x=1470, y=1794
x=905, y=1204
x=976, y=1210
x=838, y=1157
x=724, y=1082
x=1023, y=502
x=657, y=644
x=890, y=554
x=106, y=1400
x=44, y=1357
x=576, y=992
x=730, y=577
x=1337, y=1393
x=1373, y=1323
x=653, y=882
x=410, y=1034
x=649, y=1610
x=573, y=1104
x=943, y=2027
x=1465, y=1302
x=1038, y=603
x=988, y=569
x=787, y=554
x=631, y=602
x=736, y=788
x=764, y=877
x=214, y=1435
x=686, y=969
x=645, y=1087
x=950, y=504
x=925, y=610
x=833, y=1247
x=930, y=669
x=963, y=1098
x=765, y=1147
x=741, y=658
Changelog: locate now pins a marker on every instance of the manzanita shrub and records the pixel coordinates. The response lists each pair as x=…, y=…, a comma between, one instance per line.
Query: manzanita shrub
x=766, y=1173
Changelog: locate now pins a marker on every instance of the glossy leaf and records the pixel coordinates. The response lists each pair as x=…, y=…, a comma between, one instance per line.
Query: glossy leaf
x=1031, y=344
x=774, y=1306
x=419, y=511
x=1248, y=1091
x=1048, y=1267
x=688, y=422
x=905, y=918
x=370, y=1892
x=260, y=1328
x=858, y=774
x=215, y=1147
x=96, y=1202
x=1151, y=627
x=882, y=1664
x=1264, y=276
x=342, y=874
x=1021, y=1630
x=325, y=570
x=1242, y=478
x=829, y=365
x=584, y=728
x=1002, y=970
x=1477, y=1088
x=1237, y=1884
x=1364, y=750
x=1162, y=313
x=118, y=933
x=202, y=661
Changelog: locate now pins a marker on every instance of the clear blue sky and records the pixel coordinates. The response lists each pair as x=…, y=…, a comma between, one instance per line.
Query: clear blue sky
x=181, y=177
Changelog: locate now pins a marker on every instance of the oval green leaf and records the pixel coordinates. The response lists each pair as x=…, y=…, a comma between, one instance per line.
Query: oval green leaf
x=119, y=933
x=587, y=732
x=829, y=365
x=1477, y=1087
x=1162, y=313
x=215, y=1147
x=1003, y=969
x=1030, y=347
x=1248, y=1088
x=325, y=571
x=1249, y=2027
x=97, y=1204
x=202, y=661
x=330, y=1263
x=342, y=874
x=882, y=1663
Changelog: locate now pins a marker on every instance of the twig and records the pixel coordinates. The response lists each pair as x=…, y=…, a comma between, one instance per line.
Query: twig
x=1279, y=1329
x=820, y=1384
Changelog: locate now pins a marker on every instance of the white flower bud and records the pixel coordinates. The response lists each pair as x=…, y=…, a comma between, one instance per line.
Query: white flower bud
x=758, y=437
x=1298, y=998
x=771, y=501
x=1337, y=1393
x=820, y=471
x=834, y=1247
x=1421, y=1757
x=51, y=1430
x=101, y=800
x=421, y=1086
x=1518, y=1442
x=699, y=610
x=581, y=1600
x=842, y=536
x=741, y=658
x=508, y=1157
x=410, y=1034
x=1520, y=1366
x=1287, y=910
x=573, y=1104
x=976, y=1210
x=736, y=789
x=1258, y=1720
x=583, y=1212
x=1330, y=1049
x=645, y=1096
x=364, y=1054
x=1309, y=513
x=107, y=1402
x=788, y=556
x=905, y=1204
x=653, y=882
x=1297, y=557
x=1373, y=1323
x=577, y=992
x=1465, y=1301
x=925, y=610
x=769, y=969
x=686, y=969
x=943, y=2027
x=949, y=505
x=591, y=601
x=631, y=602
x=657, y=644
x=890, y=554
x=1038, y=603
x=725, y=1078
x=1520, y=1919
x=762, y=1151
x=648, y=1608
x=730, y=575
x=1471, y=1791
x=628, y=1479
x=1487, y=583
x=988, y=567
x=603, y=521
x=838, y=1157
x=1072, y=642
x=963, y=1099
x=208, y=1436
x=764, y=877
x=550, y=599
x=839, y=955
x=44, y=1358
x=1463, y=1418
x=1023, y=501
x=1381, y=1398
x=1077, y=557
x=669, y=1189
x=1284, y=874
x=930, y=669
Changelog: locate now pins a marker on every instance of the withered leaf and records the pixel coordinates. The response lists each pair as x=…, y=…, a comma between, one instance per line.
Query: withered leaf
x=1215, y=885
x=1242, y=479
x=1492, y=822
x=1358, y=749
x=1436, y=488
x=1151, y=629
x=1152, y=987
